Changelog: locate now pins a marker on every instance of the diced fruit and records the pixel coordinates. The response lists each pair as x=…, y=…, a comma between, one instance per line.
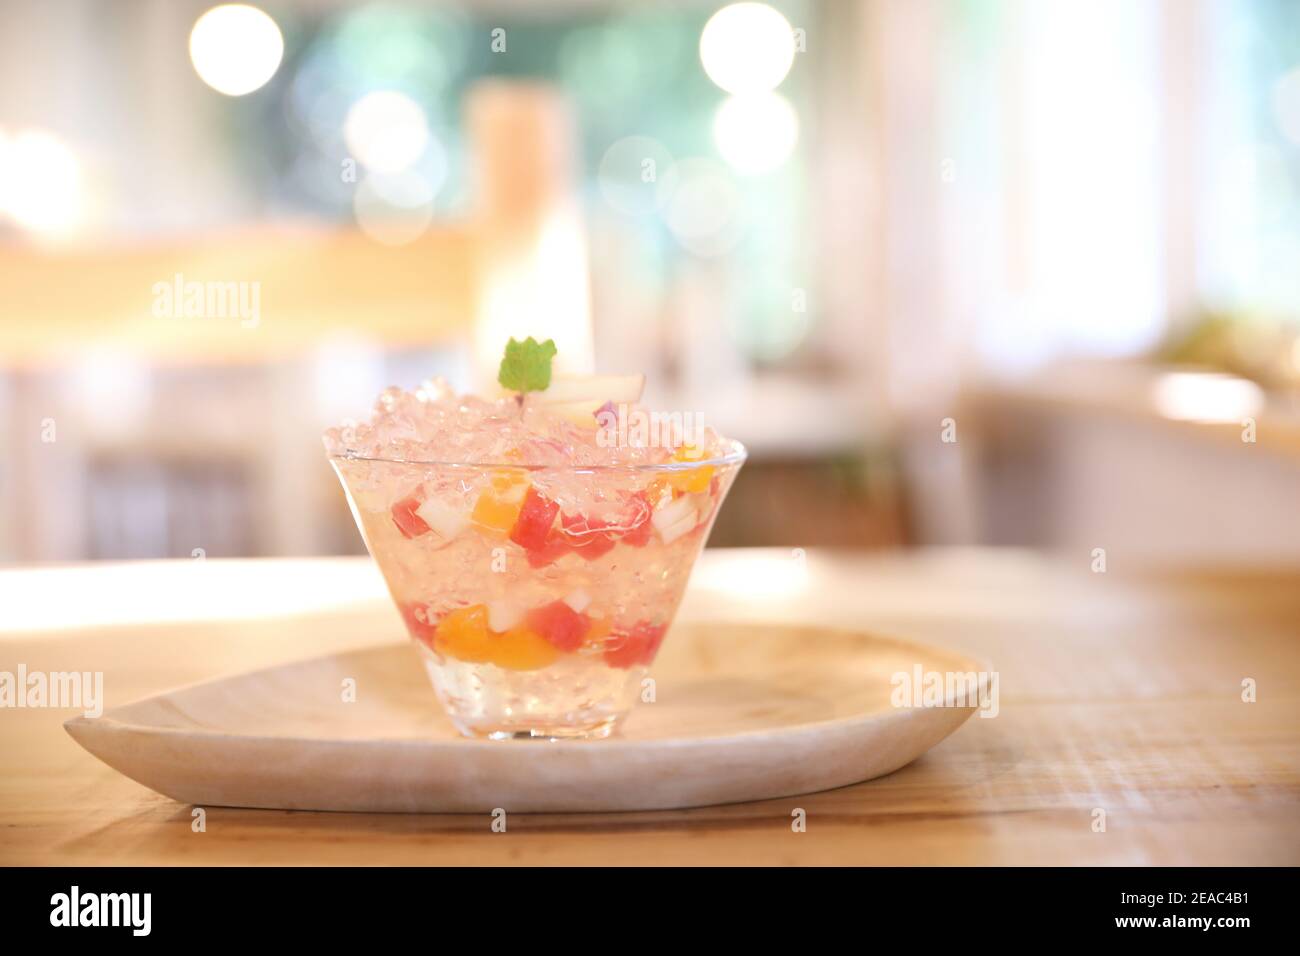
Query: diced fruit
x=688, y=452
x=591, y=548
x=695, y=479
x=560, y=624
x=587, y=537
x=658, y=490
x=581, y=526
x=497, y=508
x=673, y=512
x=445, y=520
x=556, y=547
x=535, y=519
x=463, y=634
x=578, y=599
x=502, y=616
x=418, y=621
x=565, y=389
x=408, y=522
x=640, y=509
x=680, y=529
x=631, y=526
x=522, y=650
x=636, y=646
x=495, y=514
x=639, y=527
x=675, y=519
x=597, y=630
x=510, y=482
x=690, y=482
x=639, y=536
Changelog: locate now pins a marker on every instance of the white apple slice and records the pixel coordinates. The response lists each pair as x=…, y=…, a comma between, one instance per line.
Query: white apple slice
x=619, y=389
x=580, y=413
x=444, y=520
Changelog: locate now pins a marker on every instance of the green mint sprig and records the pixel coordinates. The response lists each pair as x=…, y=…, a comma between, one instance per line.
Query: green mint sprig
x=526, y=366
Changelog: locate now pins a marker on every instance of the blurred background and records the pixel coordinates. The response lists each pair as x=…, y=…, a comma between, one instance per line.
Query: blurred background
x=1012, y=272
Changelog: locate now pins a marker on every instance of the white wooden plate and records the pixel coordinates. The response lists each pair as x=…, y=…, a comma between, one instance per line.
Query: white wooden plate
x=741, y=712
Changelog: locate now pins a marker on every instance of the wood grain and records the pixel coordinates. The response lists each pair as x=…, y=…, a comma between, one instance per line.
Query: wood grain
x=1119, y=691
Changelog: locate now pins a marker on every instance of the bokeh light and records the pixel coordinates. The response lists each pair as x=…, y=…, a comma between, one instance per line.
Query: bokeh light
x=41, y=185
x=755, y=133
x=236, y=48
x=1206, y=397
x=703, y=207
x=394, y=208
x=747, y=48
x=630, y=171
x=386, y=131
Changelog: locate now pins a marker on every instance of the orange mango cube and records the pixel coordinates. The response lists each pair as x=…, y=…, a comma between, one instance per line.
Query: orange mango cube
x=464, y=635
x=497, y=508
x=520, y=649
x=695, y=480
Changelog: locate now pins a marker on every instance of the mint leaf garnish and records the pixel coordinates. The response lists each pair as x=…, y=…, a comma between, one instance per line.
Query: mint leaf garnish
x=526, y=366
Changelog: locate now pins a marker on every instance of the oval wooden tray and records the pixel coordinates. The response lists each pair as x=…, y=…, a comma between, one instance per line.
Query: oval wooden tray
x=742, y=712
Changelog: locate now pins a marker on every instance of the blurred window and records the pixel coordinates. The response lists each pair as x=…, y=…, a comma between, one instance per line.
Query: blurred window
x=737, y=165
x=1249, y=235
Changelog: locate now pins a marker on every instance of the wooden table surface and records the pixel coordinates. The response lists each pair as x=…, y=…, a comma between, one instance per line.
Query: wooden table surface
x=1120, y=692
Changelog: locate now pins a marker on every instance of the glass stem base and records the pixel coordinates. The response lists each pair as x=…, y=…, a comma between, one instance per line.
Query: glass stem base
x=596, y=731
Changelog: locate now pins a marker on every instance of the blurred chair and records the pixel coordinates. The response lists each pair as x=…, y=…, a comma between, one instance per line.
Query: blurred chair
x=183, y=432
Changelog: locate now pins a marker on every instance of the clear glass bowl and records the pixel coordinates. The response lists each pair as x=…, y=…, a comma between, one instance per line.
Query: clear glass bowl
x=536, y=596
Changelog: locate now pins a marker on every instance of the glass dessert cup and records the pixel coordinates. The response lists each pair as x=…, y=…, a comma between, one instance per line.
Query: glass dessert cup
x=537, y=597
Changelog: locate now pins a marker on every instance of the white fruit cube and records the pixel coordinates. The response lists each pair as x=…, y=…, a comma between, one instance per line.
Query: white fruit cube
x=673, y=512
x=578, y=599
x=446, y=521
x=675, y=519
x=502, y=616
